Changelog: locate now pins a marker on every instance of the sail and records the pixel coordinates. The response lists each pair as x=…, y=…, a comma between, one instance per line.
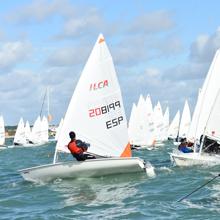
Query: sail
x=36, y=131
x=158, y=122
x=185, y=121
x=58, y=129
x=150, y=135
x=208, y=94
x=133, y=131
x=165, y=124
x=2, y=131
x=192, y=129
x=96, y=112
x=20, y=133
x=27, y=131
x=212, y=127
x=44, y=130
x=174, y=126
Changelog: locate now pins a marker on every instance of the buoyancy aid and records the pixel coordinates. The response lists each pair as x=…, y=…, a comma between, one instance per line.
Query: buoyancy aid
x=74, y=149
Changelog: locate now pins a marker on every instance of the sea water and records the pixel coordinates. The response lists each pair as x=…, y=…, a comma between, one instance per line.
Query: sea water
x=133, y=196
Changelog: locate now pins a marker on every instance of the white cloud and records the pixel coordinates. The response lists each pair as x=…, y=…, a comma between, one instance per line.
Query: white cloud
x=152, y=22
x=39, y=10
x=12, y=53
x=204, y=47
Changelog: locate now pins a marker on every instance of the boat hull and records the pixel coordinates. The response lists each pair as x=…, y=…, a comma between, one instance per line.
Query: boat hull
x=88, y=168
x=190, y=159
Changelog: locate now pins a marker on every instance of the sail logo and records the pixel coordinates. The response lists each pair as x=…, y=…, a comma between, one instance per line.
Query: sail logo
x=98, y=85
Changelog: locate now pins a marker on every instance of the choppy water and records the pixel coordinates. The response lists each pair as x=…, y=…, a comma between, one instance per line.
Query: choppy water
x=115, y=197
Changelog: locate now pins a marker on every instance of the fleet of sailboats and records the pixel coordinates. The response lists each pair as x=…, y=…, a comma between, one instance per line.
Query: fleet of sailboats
x=97, y=102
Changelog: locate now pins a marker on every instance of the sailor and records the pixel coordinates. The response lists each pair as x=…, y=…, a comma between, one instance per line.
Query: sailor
x=78, y=148
x=183, y=147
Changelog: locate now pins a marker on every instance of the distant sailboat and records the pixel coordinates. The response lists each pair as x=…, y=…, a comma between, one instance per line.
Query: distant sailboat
x=141, y=124
x=97, y=106
x=2, y=133
x=158, y=123
x=174, y=127
x=185, y=121
x=19, y=138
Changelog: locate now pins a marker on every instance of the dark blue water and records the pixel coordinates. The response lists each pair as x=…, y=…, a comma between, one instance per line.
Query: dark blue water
x=133, y=196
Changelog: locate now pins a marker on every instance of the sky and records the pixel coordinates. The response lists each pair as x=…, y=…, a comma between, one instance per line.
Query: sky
x=163, y=48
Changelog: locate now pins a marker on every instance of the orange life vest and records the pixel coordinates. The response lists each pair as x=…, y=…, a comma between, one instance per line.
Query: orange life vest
x=73, y=148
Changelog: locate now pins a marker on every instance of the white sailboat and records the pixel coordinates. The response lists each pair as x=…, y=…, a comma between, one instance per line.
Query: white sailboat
x=2, y=133
x=19, y=138
x=166, y=118
x=206, y=117
x=96, y=114
x=27, y=131
x=174, y=127
x=209, y=151
x=158, y=123
x=141, y=124
x=185, y=121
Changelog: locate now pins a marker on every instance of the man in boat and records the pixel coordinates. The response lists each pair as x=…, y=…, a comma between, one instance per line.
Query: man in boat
x=184, y=147
x=78, y=148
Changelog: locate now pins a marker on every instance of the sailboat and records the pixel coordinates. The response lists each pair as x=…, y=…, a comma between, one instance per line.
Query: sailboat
x=159, y=124
x=206, y=118
x=174, y=127
x=96, y=114
x=2, y=133
x=19, y=138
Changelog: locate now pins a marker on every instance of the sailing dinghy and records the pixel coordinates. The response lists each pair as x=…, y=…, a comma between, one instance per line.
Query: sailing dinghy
x=207, y=122
x=96, y=114
x=2, y=133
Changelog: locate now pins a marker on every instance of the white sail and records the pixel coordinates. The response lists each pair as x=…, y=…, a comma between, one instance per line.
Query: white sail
x=192, y=129
x=19, y=138
x=158, y=122
x=2, y=130
x=208, y=94
x=185, y=121
x=166, y=124
x=35, y=137
x=58, y=129
x=133, y=131
x=44, y=130
x=27, y=131
x=212, y=128
x=174, y=126
x=96, y=112
x=150, y=122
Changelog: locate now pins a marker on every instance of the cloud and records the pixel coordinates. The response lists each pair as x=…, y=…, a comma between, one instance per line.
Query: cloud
x=151, y=23
x=40, y=10
x=12, y=53
x=204, y=47
x=74, y=55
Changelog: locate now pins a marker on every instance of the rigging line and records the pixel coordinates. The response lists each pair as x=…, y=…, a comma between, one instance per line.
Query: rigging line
x=43, y=104
x=184, y=197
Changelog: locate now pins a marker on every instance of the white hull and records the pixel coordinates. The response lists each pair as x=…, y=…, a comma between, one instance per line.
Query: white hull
x=27, y=145
x=176, y=143
x=88, y=168
x=190, y=159
x=2, y=147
